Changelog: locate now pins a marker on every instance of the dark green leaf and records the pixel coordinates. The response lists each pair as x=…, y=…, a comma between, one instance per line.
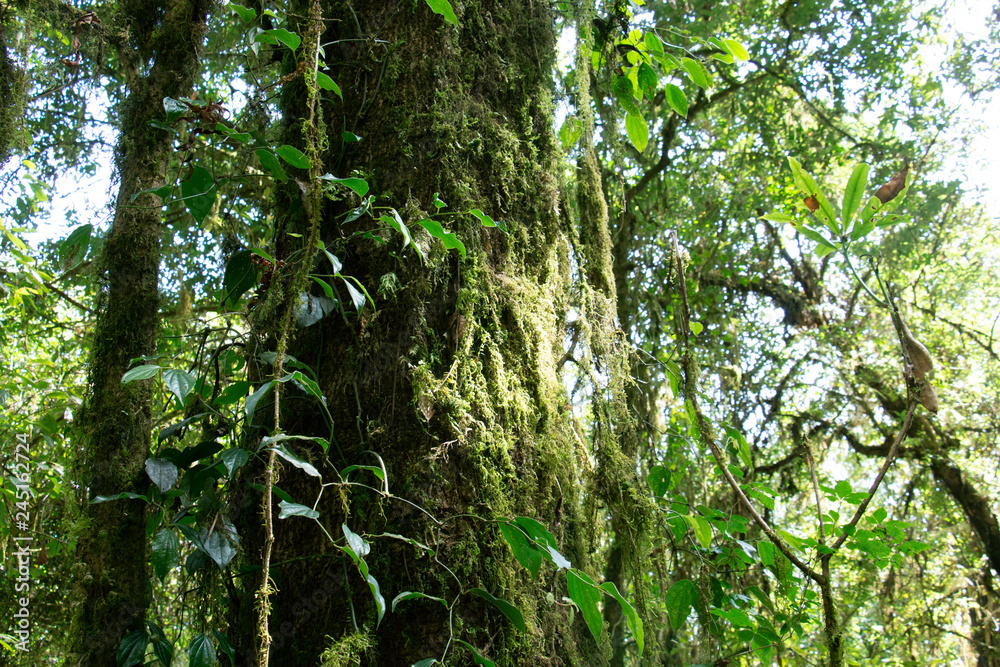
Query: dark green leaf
x=234, y=458
x=525, y=553
x=143, y=372
x=510, y=611
x=359, y=185
x=198, y=193
x=75, y=247
x=586, y=595
x=634, y=622
x=221, y=544
x=224, y=644
x=179, y=383
x=175, y=109
x=659, y=480
x=680, y=599
x=415, y=595
x=304, y=466
x=246, y=14
x=270, y=163
x=233, y=393
x=289, y=39
x=166, y=549
x=162, y=472
x=255, y=397
x=201, y=652
x=240, y=276
x=132, y=649
x=476, y=657
x=294, y=509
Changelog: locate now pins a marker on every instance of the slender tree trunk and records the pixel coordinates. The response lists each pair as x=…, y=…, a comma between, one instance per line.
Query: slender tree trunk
x=113, y=591
x=452, y=383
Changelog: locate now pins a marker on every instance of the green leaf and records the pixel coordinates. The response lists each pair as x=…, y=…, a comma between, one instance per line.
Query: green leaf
x=510, y=611
x=75, y=247
x=449, y=240
x=476, y=657
x=174, y=109
x=201, y=652
x=350, y=137
x=426, y=662
x=179, y=383
x=797, y=171
x=679, y=601
x=294, y=509
x=586, y=595
x=763, y=648
x=659, y=479
x=121, y=496
x=737, y=49
x=305, y=384
x=777, y=217
x=647, y=80
x=443, y=7
x=742, y=447
x=415, y=595
x=638, y=131
x=254, y=399
x=625, y=94
x=525, y=553
x=289, y=39
x=143, y=372
x=487, y=221
x=270, y=164
x=359, y=185
x=132, y=649
x=304, y=466
x=162, y=472
x=634, y=622
x=162, y=648
x=543, y=539
x=234, y=393
x=221, y=543
x=292, y=156
x=570, y=132
x=696, y=327
x=234, y=458
x=854, y=194
x=677, y=99
x=326, y=83
x=246, y=14
x=702, y=529
x=166, y=549
x=766, y=552
x=198, y=193
x=695, y=72
x=653, y=44
x=239, y=278
x=224, y=644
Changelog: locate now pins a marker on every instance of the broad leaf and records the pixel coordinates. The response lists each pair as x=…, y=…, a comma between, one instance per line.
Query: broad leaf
x=638, y=132
x=163, y=473
x=198, y=193
x=294, y=509
x=201, y=652
x=680, y=599
x=586, y=595
x=166, y=549
x=634, y=622
x=510, y=611
x=854, y=194
x=443, y=7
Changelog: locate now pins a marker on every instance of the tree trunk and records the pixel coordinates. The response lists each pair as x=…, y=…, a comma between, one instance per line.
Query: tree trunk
x=453, y=381
x=113, y=591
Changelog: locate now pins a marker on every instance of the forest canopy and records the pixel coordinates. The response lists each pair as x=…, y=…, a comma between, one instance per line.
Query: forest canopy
x=498, y=333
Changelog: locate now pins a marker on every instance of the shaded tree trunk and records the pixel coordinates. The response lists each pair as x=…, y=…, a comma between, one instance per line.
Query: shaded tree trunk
x=113, y=591
x=452, y=383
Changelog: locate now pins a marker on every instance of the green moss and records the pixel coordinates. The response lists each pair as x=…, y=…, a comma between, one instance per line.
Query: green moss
x=348, y=650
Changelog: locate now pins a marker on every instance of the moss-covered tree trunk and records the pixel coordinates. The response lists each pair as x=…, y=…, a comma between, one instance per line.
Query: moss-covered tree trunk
x=112, y=589
x=453, y=382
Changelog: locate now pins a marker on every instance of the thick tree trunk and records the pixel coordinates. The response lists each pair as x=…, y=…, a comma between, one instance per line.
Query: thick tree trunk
x=113, y=590
x=452, y=382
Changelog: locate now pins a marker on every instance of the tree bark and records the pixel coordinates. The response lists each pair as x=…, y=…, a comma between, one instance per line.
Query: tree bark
x=113, y=591
x=452, y=383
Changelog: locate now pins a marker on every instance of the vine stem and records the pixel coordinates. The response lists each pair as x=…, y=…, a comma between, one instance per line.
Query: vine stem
x=314, y=194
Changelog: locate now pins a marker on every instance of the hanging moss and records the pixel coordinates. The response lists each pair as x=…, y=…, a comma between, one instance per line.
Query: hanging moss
x=13, y=87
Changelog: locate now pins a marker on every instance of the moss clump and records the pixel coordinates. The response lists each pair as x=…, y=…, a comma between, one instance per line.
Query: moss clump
x=347, y=650
x=13, y=82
